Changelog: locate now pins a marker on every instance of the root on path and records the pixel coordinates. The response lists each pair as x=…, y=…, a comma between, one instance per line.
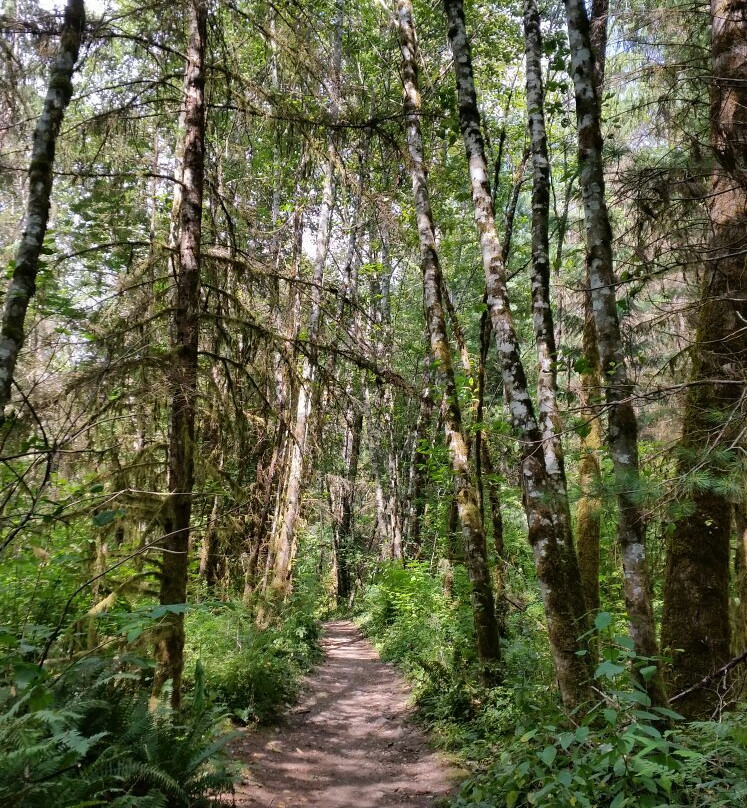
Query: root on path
x=348, y=744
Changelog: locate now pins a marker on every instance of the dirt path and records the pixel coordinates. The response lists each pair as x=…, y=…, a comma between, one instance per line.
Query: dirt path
x=348, y=744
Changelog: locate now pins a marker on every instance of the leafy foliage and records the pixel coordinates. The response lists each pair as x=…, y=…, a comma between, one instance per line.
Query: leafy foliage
x=90, y=738
x=253, y=672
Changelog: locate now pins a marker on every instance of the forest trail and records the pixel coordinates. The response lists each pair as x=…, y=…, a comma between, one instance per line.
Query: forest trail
x=349, y=742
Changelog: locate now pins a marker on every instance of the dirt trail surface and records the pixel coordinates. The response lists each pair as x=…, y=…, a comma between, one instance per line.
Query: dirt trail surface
x=348, y=744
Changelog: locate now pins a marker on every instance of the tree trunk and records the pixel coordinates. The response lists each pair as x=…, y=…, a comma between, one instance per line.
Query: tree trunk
x=539, y=500
x=183, y=378
x=486, y=626
x=23, y=283
x=342, y=500
x=411, y=527
x=696, y=605
x=284, y=543
x=622, y=436
x=589, y=510
x=550, y=423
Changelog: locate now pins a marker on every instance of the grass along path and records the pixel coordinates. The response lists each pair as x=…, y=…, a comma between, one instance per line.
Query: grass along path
x=349, y=742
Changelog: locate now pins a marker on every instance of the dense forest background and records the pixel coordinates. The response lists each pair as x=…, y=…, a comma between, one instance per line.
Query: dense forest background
x=433, y=313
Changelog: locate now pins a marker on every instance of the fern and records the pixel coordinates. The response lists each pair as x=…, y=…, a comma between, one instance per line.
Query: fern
x=95, y=742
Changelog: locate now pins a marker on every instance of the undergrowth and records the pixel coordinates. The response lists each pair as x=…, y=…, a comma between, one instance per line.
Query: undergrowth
x=89, y=737
x=252, y=672
x=522, y=749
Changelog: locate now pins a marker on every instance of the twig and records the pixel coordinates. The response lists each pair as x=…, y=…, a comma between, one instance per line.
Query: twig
x=706, y=680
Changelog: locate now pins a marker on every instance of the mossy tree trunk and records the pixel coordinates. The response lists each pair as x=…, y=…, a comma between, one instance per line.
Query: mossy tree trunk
x=589, y=509
x=183, y=375
x=622, y=436
x=549, y=421
x=483, y=607
x=561, y=592
x=23, y=282
x=696, y=601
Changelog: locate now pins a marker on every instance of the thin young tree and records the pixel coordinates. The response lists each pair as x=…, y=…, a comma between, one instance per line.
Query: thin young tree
x=622, y=437
x=483, y=607
x=561, y=589
x=23, y=282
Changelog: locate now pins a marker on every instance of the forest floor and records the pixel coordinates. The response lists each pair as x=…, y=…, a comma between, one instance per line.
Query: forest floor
x=350, y=741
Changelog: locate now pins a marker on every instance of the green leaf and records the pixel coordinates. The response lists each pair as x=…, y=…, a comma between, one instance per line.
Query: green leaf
x=608, y=669
x=107, y=517
x=566, y=739
x=602, y=620
x=619, y=800
x=25, y=674
x=610, y=716
x=667, y=713
x=548, y=755
x=626, y=642
x=648, y=672
x=582, y=733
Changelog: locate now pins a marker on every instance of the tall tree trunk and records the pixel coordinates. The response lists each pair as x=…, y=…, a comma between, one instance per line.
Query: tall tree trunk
x=696, y=606
x=283, y=548
x=483, y=607
x=550, y=424
x=23, y=283
x=739, y=615
x=589, y=510
x=623, y=427
x=183, y=377
x=539, y=500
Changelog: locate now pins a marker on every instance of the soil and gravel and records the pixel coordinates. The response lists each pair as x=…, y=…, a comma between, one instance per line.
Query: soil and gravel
x=349, y=743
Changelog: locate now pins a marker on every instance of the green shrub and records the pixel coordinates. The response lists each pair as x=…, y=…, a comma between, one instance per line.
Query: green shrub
x=430, y=634
x=252, y=672
x=629, y=758
x=625, y=752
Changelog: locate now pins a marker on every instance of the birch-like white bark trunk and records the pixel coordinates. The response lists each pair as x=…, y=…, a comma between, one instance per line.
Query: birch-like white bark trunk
x=486, y=626
x=23, y=282
x=560, y=591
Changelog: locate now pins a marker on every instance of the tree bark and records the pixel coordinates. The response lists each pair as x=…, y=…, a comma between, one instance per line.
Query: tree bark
x=483, y=607
x=622, y=435
x=23, y=283
x=183, y=377
x=550, y=423
x=589, y=509
x=696, y=602
x=558, y=588
x=342, y=499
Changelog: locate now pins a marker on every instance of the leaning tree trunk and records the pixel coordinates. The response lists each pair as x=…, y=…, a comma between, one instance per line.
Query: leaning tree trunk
x=284, y=541
x=280, y=559
x=560, y=590
x=183, y=376
x=23, y=283
x=486, y=626
x=623, y=426
x=696, y=601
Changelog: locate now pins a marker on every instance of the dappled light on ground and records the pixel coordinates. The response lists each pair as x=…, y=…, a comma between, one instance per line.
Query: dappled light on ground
x=349, y=742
